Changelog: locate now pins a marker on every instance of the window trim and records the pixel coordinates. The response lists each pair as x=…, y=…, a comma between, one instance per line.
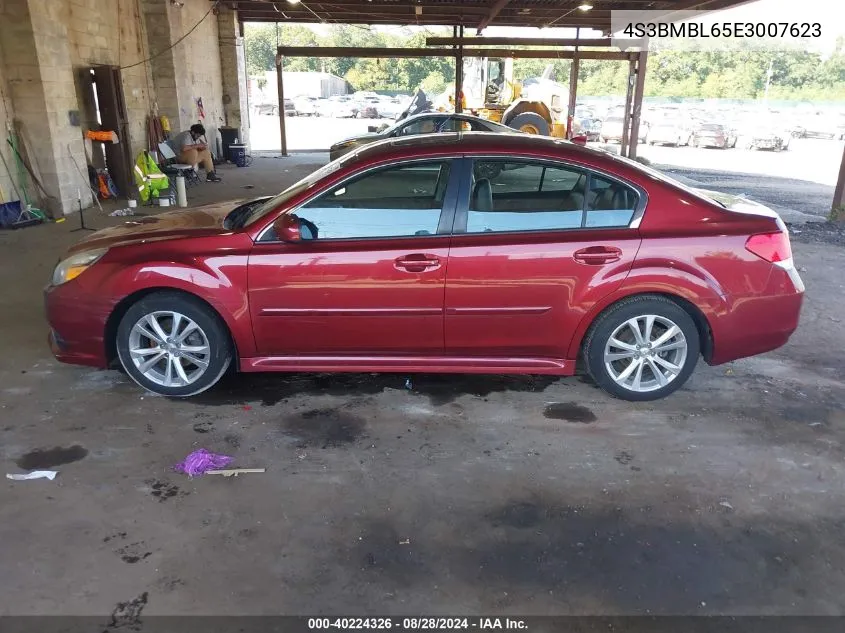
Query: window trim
x=465, y=195
x=444, y=224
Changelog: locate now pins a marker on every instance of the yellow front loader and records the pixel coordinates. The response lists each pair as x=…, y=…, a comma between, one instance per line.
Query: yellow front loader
x=536, y=106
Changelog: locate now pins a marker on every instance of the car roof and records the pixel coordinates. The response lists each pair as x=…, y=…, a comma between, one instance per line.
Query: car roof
x=479, y=143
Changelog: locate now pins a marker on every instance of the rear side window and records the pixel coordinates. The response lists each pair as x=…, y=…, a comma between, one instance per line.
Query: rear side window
x=609, y=203
x=398, y=201
x=509, y=196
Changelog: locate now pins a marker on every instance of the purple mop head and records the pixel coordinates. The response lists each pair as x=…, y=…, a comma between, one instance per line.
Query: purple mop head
x=201, y=461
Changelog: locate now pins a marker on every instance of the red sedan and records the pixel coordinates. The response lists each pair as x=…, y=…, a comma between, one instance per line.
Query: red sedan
x=479, y=253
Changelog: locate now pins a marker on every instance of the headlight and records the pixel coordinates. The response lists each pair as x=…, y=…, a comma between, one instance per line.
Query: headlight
x=75, y=265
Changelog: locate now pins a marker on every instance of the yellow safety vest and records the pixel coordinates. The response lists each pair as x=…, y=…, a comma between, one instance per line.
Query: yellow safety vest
x=148, y=177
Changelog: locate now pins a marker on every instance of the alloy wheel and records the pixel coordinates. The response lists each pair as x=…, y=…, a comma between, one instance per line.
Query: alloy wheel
x=645, y=353
x=169, y=349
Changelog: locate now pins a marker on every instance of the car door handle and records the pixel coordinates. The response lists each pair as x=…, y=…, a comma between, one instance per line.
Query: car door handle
x=597, y=255
x=417, y=262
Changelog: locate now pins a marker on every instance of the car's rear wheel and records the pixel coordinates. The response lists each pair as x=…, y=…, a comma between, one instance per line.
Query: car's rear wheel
x=173, y=345
x=642, y=348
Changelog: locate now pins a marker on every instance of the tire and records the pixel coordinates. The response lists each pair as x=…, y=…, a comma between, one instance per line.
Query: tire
x=530, y=121
x=613, y=322
x=210, y=344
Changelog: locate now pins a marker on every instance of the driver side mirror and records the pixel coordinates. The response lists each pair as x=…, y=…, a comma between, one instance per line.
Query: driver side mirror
x=288, y=228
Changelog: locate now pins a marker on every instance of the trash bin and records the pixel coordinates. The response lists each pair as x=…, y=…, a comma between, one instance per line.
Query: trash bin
x=229, y=136
x=237, y=154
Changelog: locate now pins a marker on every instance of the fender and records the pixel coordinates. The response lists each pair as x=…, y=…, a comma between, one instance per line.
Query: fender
x=219, y=281
x=649, y=277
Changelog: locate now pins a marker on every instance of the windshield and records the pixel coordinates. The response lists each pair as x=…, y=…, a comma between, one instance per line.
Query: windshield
x=255, y=213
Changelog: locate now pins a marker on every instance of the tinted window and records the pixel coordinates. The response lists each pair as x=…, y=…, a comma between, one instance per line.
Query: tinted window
x=523, y=196
x=457, y=125
x=420, y=126
x=526, y=196
x=390, y=202
x=609, y=203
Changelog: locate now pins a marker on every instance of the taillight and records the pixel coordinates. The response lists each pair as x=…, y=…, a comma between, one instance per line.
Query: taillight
x=773, y=247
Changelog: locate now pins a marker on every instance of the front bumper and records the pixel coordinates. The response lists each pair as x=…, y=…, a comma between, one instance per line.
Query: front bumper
x=77, y=323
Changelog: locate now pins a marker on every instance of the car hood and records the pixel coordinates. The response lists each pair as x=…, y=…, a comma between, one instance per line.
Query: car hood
x=367, y=137
x=205, y=220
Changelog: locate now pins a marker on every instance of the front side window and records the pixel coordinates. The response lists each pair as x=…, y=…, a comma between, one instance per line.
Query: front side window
x=531, y=196
x=399, y=201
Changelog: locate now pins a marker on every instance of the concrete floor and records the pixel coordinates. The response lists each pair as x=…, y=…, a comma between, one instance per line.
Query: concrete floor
x=507, y=495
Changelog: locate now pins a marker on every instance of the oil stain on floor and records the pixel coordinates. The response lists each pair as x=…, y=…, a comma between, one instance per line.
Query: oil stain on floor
x=439, y=388
x=324, y=428
x=42, y=458
x=569, y=412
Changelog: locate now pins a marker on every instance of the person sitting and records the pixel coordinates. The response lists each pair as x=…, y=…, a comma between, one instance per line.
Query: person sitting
x=192, y=149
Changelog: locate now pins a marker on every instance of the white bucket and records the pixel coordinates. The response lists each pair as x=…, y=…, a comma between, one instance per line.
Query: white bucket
x=164, y=202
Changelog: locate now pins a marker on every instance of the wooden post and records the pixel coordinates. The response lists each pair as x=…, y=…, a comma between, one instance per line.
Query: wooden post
x=459, y=69
x=626, y=119
x=282, y=132
x=639, y=89
x=573, y=88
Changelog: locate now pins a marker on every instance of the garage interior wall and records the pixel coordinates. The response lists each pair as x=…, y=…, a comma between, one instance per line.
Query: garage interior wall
x=6, y=116
x=48, y=46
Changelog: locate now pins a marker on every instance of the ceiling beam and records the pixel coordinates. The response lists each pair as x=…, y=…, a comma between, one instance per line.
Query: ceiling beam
x=384, y=53
x=441, y=18
x=495, y=9
x=517, y=41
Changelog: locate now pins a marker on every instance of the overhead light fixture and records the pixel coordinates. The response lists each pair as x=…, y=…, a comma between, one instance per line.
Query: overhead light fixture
x=293, y=1
x=584, y=6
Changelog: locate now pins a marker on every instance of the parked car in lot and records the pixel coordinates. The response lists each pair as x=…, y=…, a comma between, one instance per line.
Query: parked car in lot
x=390, y=107
x=305, y=106
x=426, y=123
x=368, y=110
x=611, y=130
x=714, y=135
x=589, y=127
x=339, y=107
x=816, y=126
x=669, y=132
x=767, y=135
x=480, y=253
x=268, y=109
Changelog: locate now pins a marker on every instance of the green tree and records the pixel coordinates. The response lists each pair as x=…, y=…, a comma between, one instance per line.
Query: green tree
x=734, y=74
x=434, y=84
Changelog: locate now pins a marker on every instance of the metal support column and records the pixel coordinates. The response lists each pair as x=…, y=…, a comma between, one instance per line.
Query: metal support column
x=639, y=89
x=573, y=88
x=279, y=63
x=626, y=118
x=839, y=192
x=459, y=69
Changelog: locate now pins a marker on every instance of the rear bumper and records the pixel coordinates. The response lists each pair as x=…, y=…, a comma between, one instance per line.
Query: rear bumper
x=762, y=323
x=77, y=325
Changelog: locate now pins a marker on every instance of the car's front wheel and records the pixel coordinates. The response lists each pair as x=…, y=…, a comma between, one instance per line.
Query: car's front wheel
x=642, y=348
x=173, y=344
